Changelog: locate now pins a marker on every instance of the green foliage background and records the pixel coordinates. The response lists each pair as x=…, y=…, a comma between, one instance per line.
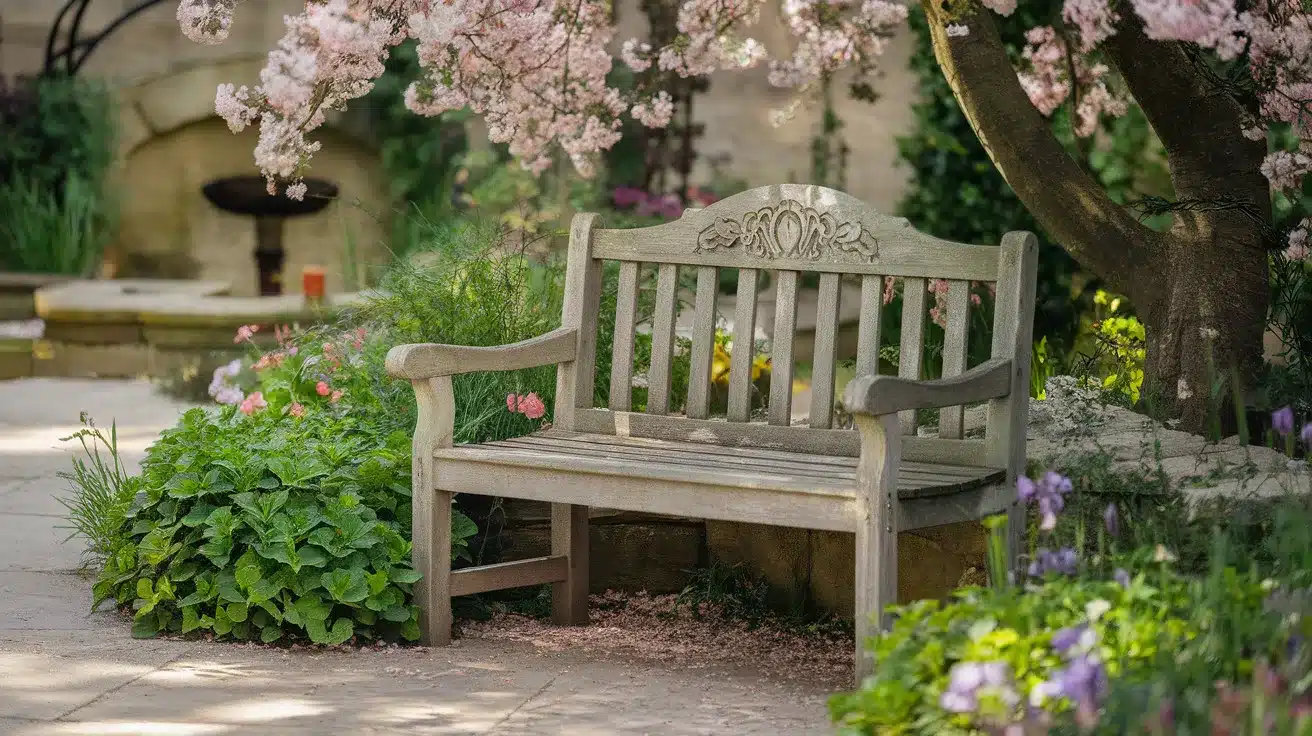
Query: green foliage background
x=57, y=144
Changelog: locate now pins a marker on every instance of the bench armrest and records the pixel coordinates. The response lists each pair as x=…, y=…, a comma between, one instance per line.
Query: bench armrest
x=420, y=361
x=880, y=395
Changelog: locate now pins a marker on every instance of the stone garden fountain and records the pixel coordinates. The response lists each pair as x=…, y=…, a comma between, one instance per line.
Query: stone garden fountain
x=247, y=195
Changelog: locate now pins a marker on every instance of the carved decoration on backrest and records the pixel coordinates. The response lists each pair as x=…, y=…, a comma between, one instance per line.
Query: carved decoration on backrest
x=790, y=229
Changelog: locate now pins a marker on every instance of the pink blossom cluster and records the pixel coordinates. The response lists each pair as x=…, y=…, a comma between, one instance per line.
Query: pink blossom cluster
x=1047, y=80
x=829, y=39
x=530, y=405
x=938, y=312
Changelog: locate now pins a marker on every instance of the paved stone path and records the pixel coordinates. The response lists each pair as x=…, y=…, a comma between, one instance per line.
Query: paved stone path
x=66, y=671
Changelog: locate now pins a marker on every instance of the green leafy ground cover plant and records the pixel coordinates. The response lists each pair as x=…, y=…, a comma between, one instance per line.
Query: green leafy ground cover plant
x=285, y=512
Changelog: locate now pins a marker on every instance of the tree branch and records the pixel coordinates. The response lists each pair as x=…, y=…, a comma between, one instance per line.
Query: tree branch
x=1070, y=204
x=1197, y=121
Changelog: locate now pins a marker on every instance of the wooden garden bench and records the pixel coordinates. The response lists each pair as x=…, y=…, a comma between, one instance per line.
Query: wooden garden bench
x=876, y=481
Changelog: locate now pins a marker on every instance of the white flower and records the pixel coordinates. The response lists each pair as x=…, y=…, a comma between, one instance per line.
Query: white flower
x=956, y=30
x=1095, y=609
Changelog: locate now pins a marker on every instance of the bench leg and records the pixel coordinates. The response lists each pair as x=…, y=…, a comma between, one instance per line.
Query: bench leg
x=876, y=531
x=876, y=586
x=569, y=537
x=432, y=559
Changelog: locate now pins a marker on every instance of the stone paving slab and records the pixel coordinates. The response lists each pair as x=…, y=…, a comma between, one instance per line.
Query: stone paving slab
x=49, y=601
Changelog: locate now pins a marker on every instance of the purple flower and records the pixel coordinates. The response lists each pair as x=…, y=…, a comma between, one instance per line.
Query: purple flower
x=1121, y=577
x=1025, y=489
x=671, y=208
x=1068, y=637
x=968, y=680
x=1050, y=491
x=1062, y=561
x=1282, y=421
x=627, y=196
x=1111, y=520
x=1306, y=435
x=1083, y=680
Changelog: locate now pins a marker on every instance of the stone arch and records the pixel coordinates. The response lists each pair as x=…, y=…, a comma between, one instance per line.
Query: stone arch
x=171, y=143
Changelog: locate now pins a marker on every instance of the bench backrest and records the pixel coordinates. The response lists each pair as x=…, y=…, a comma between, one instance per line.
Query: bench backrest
x=789, y=229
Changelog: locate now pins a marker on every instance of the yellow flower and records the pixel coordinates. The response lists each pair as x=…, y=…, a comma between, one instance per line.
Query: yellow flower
x=761, y=364
x=719, y=364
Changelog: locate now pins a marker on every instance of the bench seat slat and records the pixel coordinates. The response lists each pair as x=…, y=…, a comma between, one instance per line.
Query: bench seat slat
x=670, y=461
x=749, y=457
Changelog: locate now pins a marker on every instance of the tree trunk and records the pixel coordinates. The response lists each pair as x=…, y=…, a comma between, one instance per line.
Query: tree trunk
x=1209, y=273
x=1208, y=327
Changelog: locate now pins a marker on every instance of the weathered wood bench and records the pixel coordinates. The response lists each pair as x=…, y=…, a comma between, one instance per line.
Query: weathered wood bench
x=875, y=481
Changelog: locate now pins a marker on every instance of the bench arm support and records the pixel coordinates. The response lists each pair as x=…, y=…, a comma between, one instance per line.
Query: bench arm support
x=881, y=395
x=419, y=361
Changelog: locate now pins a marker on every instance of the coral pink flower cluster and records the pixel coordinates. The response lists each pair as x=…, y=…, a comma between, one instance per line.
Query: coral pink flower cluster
x=528, y=404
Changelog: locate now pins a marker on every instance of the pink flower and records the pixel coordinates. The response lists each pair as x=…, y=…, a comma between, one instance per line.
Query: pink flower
x=245, y=333
x=297, y=410
x=531, y=406
x=336, y=397
x=253, y=403
x=512, y=402
x=322, y=388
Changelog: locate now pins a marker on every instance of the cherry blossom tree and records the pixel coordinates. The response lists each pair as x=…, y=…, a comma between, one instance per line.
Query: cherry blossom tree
x=1213, y=78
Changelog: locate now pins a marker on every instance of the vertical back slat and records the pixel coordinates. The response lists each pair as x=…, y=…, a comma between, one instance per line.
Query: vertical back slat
x=781, y=351
x=825, y=353
x=662, y=340
x=703, y=342
x=912, y=351
x=868, y=329
x=744, y=347
x=950, y=418
x=576, y=379
x=626, y=317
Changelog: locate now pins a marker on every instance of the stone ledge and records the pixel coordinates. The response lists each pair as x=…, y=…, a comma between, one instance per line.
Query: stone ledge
x=18, y=293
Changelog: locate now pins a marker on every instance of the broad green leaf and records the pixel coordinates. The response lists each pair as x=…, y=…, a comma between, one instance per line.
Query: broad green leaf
x=198, y=515
x=377, y=582
x=270, y=634
x=312, y=556
x=405, y=575
x=347, y=586
x=155, y=547
x=145, y=627
x=237, y=612
x=410, y=629
x=222, y=623
x=248, y=576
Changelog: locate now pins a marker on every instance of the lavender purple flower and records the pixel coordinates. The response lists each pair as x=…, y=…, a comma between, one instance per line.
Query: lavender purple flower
x=1121, y=577
x=1064, y=639
x=221, y=390
x=1306, y=435
x=1045, y=561
x=1282, y=421
x=967, y=681
x=1111, y=519
x=1049, y=491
